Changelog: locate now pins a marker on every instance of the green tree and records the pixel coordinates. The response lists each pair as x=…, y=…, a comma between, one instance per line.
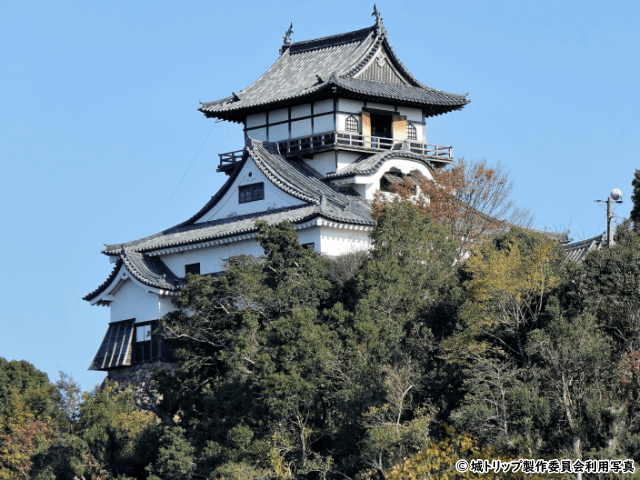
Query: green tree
x=634, y=216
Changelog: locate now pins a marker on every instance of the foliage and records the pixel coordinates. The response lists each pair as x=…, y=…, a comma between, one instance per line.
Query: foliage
x=634, y=216
x=292, y=365
x=472, y=199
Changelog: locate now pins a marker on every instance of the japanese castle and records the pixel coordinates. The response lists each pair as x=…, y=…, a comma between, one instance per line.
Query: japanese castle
x=332, y=122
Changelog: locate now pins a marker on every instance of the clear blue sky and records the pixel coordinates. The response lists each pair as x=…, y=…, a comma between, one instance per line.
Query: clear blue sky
x=99, y=123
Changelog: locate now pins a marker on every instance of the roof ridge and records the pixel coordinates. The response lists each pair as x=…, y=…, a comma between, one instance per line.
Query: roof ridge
x=331, y=40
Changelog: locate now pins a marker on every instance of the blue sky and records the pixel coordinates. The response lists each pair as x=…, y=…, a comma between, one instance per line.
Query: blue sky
x=99, y=124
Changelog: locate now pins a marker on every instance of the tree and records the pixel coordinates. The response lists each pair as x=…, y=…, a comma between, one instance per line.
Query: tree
x=25, y=410
x=473, y=199
x=634, y=216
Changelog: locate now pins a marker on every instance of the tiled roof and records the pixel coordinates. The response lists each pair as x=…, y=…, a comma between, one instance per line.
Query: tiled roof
x=116, y=349
x=318, y=68
x=371, y=164
x=433, y=101
x=578, y=251
x=293, y=177
x=150, y=271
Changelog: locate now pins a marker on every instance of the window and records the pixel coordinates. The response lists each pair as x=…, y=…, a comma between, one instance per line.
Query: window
x=193, y=268
x=146, y=348
x=351, y=124
x=412, y=133
x=309, y=246
x=251, y=193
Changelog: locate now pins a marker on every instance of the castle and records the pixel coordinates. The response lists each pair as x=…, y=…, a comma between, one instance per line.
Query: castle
x=332, y=122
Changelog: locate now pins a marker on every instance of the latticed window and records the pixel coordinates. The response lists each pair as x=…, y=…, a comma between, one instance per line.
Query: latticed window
x=146, y=348
x=412, y=133
x=251, y=193
x=351, y=124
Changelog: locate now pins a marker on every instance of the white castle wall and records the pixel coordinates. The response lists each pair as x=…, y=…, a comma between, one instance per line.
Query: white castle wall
x=133, y=301
x=230, y=205
x=323, y=162
x=211, y=259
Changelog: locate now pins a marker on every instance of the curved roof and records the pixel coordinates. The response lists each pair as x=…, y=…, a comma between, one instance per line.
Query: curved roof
x=150, y=271
x=578, y=250
x=331, y=65
x=371, y=164
x=321, y=199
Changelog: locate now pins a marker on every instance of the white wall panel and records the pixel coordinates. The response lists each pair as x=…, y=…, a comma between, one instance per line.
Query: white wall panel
x=281, y=115
x=301, y=128
x=133, y=301
x=412, y=114
x=336, y=241
x=323, y=123
x=352, y=106
x=323, y=162
x=278, y=132
x=256, y=119
x=301, y=110
x=323, y=106
x=258, y=134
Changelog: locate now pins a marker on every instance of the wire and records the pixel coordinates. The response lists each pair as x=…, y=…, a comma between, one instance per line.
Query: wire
x=191, y=164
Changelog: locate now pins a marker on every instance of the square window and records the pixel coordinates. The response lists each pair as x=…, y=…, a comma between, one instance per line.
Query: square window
x=193, y=268
x=143, y=333
x=251, y=193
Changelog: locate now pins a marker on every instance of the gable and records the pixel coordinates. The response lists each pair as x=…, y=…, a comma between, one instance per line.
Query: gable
x=230, y=204
x=380, y=69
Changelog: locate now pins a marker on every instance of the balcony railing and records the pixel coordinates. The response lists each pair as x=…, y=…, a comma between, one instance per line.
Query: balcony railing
x=379, y=143
x=229, y=160
x=322, y=141
x=354, y=140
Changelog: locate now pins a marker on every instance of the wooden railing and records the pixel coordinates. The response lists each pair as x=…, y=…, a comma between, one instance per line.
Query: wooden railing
x=229, y=160
x=379, y=143
x=305, y=144
x=311, y=143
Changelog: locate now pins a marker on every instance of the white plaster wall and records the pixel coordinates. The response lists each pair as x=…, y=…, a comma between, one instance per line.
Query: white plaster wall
x=380, y=106
x=256, y=119
x=211, y=259
x=368, y=185
x=324, y=162
x=310, y=235
x=301, y=128
x=342, y=117
x=278, y=132
x=133, y=301
x=336, y=241
x=301, y=110
x=323, y=106
x=347, y=158
x=412, y=114
x=323, y=123
x=281, y=115
x=352, y=106
x=258, y=134
x=229, y=205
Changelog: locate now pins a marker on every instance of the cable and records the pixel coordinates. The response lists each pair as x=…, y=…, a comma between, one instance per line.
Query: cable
x=191, y=164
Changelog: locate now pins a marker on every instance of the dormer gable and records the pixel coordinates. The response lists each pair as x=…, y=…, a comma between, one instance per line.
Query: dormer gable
x=380, y=68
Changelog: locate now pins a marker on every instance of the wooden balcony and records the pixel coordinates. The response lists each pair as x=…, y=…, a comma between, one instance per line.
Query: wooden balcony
x=229, y=160
x=354, y=141
x=321, y=142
